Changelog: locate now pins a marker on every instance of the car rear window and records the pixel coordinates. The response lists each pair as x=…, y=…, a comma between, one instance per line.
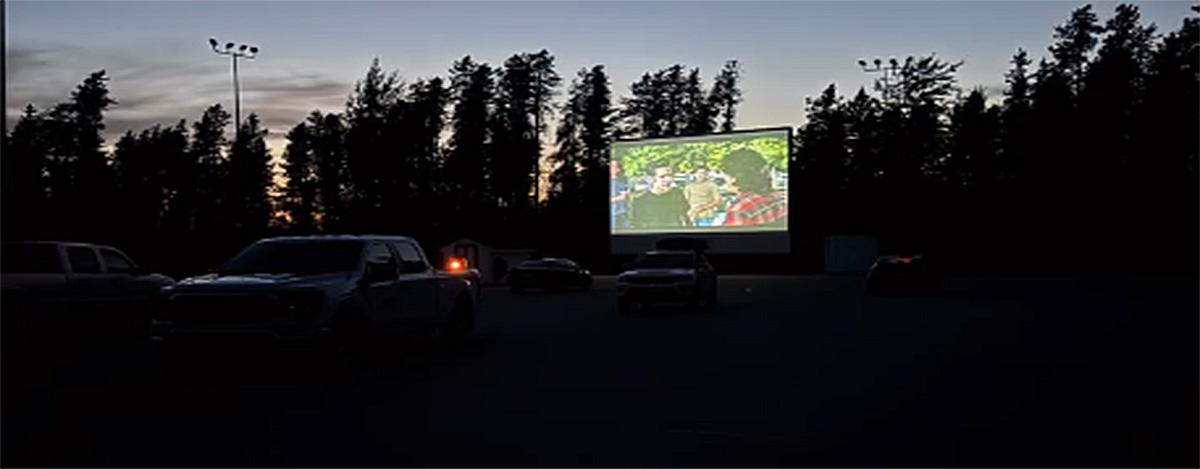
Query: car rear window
x=30, y=259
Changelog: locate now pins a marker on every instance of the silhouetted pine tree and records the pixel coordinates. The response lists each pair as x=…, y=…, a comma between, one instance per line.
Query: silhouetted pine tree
x=328, y=134
x=467, y=169
x=299, y=194
x=863, y=115
x=373, y=161
x=823, y=154
x=208, y=154
x=26, y=152
x=250, y=177
x=726, y=94
x=526, y=81
x=974, y=155
x=1016, y=133
x=821, y=163
x=1074, y=42
x=142, y=162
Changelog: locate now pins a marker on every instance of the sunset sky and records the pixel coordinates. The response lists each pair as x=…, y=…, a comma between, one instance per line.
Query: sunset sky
x=162, y=69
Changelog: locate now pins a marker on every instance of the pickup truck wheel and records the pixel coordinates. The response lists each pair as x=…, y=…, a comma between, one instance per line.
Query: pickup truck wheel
x=461, y=328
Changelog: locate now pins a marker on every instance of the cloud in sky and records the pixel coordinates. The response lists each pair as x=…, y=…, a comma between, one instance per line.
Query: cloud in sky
x=161, y=88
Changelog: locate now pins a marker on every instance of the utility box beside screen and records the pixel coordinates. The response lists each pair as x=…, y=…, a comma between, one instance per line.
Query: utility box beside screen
x=849, y=254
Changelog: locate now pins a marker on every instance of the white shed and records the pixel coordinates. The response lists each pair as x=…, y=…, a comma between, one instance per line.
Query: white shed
x=493, y=263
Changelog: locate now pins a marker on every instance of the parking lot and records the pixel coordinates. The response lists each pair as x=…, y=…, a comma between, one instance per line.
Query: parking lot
x=788, y=371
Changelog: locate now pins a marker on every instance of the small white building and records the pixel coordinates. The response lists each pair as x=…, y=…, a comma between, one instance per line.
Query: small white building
x=493, y=263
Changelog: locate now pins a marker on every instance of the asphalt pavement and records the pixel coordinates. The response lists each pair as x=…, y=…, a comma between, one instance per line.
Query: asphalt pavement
x=787, y=371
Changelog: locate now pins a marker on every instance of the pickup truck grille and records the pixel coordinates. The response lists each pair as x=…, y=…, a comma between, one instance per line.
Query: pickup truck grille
x=223, y=309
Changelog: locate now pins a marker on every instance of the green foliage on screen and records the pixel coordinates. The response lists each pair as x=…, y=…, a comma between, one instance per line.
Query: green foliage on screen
x=636, y=158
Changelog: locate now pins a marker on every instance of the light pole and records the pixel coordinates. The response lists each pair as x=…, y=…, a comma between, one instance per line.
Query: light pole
x=889, y=71
x=242, y=52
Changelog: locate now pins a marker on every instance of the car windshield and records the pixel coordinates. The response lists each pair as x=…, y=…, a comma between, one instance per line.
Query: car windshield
x=664, y=261
x=295, y=257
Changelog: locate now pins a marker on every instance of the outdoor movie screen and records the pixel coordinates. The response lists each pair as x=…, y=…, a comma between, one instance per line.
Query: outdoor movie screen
x=718, y=183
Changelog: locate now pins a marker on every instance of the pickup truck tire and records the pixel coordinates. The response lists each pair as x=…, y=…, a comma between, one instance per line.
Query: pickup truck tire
x=461, y=328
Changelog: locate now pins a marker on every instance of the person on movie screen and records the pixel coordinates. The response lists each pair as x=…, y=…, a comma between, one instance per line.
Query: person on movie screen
x=756, y=203
x=663, y=206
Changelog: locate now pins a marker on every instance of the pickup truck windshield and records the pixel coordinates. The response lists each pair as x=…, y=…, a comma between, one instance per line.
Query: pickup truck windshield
x=664, y=261
x=295, y=257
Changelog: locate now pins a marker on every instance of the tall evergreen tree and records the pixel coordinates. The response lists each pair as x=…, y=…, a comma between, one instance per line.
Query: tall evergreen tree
x=1114, y=93
x=823, y=146
x=26, y=152
x=1016, y=133
x=374, y=163
x=467, y=168
x=250, y=176
x=300, y=191
x=974, y=155
x=142, y=162
x=864, y=134
x=726, y=94
x=524, y=90
x=1074, y=42
x=81, y=178
x=208, y=157
x=596, y=131
x=328, y=135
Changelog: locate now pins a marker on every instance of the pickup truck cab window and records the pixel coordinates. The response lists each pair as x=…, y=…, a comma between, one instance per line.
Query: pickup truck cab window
x=381, y=264
x=116, y=263
x=411, y=261
x=83, y=260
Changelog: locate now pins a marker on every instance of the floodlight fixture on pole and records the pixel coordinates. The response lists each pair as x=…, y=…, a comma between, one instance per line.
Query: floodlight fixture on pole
x=240, y=53
x=889, y=72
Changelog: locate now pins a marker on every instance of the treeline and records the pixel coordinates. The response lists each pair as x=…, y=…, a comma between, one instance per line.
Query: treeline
x=1087, y=162
x=436, y=158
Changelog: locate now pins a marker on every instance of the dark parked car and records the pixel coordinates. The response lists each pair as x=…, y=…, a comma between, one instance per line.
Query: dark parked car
x=550, y=274
x=903, y=275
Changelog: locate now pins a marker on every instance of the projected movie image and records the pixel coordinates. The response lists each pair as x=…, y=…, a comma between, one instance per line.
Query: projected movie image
x=733, y=182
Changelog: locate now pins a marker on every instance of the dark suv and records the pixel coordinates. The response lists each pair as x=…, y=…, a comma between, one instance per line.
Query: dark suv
x=667, y=276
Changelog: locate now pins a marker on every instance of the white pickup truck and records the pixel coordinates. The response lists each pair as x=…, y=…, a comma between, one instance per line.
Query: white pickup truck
x=52, y=288
x=318, y=290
